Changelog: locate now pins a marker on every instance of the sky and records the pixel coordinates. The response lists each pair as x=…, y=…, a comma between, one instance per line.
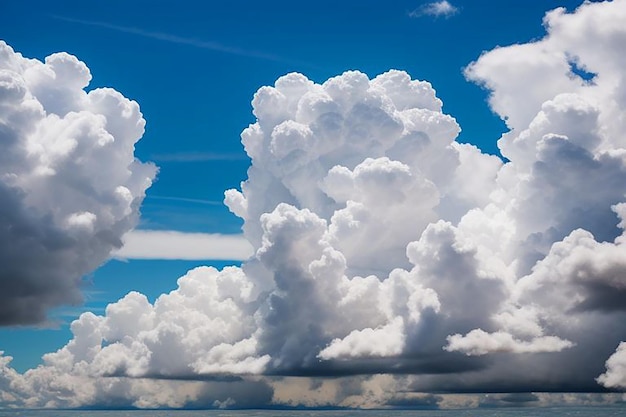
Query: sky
x=351, y=204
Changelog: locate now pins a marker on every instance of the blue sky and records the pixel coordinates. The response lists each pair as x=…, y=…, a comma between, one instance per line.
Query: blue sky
x=194, y=67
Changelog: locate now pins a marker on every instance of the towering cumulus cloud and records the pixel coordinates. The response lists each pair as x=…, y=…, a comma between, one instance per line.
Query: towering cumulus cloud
x=383, y=247
x=69, y=184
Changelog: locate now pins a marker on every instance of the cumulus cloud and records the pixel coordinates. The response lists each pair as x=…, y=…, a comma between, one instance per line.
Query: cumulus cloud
x=70, y=184
x=615, y=375
x=441, y=8
x=479, y=342
x=170, y=244
x=383, y=341
x=388, y=254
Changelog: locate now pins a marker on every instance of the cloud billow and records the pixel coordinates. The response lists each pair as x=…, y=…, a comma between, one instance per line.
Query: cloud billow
x=70, y=185
x=383, y=246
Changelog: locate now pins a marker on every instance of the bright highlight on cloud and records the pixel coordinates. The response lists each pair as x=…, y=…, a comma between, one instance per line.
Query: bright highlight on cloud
x=388, y=253
x=70, y=185
x=441, y=8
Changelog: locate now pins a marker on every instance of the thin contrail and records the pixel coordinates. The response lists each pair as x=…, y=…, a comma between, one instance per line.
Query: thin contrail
x=210, y=45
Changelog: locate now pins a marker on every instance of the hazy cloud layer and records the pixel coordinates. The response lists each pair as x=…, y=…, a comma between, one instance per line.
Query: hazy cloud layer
x=70, y=185
x=169, y=244
x=388, y=253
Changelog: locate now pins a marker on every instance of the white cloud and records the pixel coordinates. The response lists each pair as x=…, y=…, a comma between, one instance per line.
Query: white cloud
x=441, y=8
x=615, y=375
x=69, y=182
x=170, y=244
x=479, y=342
x=386, y=340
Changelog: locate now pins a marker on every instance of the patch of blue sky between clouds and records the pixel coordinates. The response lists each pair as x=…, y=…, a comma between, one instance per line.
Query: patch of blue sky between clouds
x=197, y=157
x=186, y=200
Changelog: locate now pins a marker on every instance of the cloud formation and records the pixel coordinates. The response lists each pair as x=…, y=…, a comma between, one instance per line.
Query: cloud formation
x=170, y=244
x=441, y=8
x=389, y=254
x=70, y=185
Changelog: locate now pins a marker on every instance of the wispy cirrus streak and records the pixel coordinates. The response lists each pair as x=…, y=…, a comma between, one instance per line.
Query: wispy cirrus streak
x=181, y=40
